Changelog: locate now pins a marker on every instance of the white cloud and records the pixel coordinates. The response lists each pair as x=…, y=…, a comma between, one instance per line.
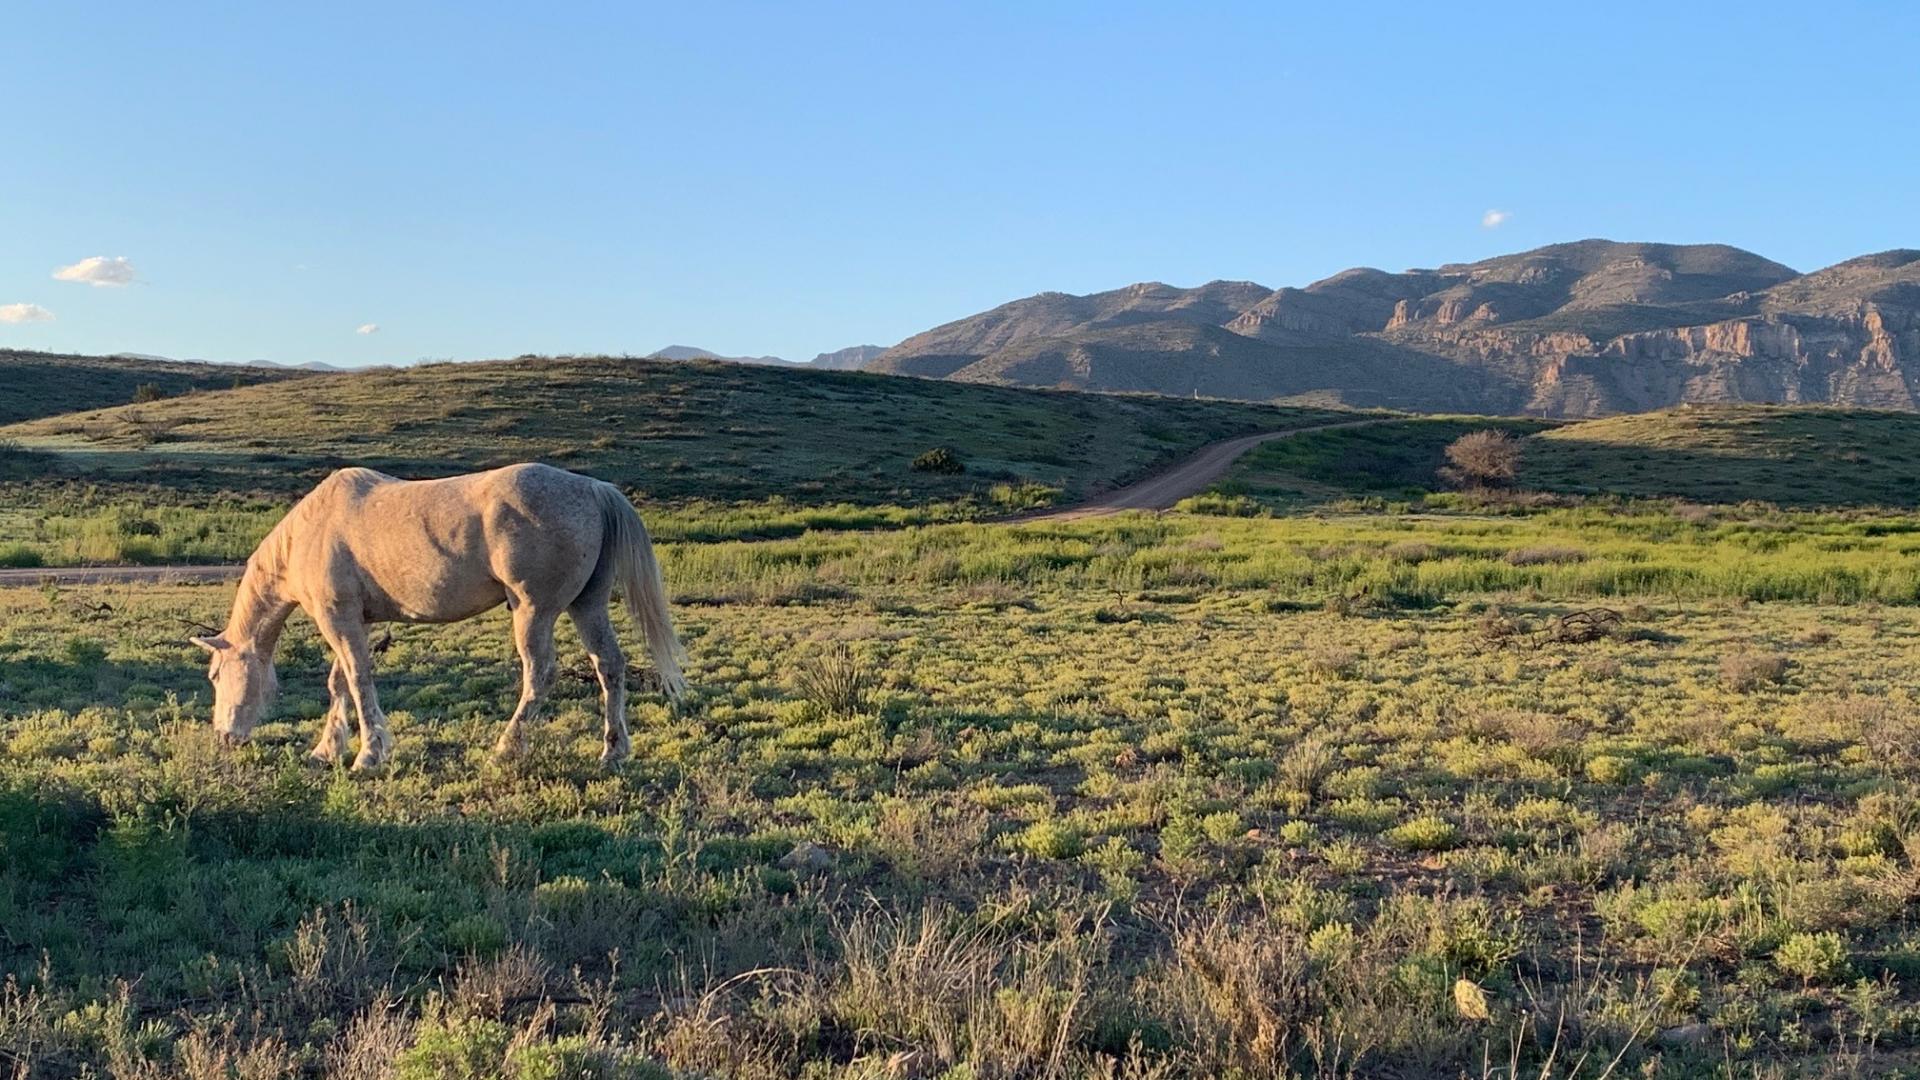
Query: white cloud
x=367, y=328
x=19, y=313
x=98, y=270
x=1493, y=219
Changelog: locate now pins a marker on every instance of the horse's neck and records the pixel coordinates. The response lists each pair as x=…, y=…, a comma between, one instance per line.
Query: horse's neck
x=261, y=608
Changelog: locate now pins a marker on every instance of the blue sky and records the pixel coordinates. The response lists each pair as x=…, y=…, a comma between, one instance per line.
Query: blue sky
x=484, y=180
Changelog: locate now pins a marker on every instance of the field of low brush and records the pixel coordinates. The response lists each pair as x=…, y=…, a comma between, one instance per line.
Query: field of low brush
x=1178, y=796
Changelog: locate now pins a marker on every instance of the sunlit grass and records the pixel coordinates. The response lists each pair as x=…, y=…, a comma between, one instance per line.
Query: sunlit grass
x=1181, y=795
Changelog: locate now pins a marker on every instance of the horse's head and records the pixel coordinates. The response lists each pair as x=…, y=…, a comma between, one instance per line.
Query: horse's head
x=243, y=687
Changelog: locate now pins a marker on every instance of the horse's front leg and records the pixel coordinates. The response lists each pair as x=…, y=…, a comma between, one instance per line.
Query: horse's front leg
x=348, y=638
x=336, y=734
x=533, y=637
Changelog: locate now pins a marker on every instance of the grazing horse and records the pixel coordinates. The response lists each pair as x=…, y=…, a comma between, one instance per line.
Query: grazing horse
x=363, y=548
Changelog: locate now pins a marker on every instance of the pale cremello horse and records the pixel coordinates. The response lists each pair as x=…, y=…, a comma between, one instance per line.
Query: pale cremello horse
x=363, y=548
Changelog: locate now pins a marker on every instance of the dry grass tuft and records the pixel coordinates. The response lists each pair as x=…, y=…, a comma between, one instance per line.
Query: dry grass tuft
x=1745, y=671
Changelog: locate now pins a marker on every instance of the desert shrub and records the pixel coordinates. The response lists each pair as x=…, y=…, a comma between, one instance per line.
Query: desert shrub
x=941, y=460
x=1813, y=958
x=576, y=1057
x=1482, y=459
x=455, y=1049
x=19, y=555
x=1332, y=661
x=1220, y=504
x=1546, y=555
x=1306, y=767
x=84, y=652
x=1745, y=671
x=1026, y=495
x=1411, y=551
x=1548, y=737
x=1428, y=832
x=1049, y=839
x=479, y=934
x=146, y=392
x=835, y=681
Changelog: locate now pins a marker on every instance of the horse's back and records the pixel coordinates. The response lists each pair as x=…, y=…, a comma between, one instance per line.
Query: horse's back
x=437, y=549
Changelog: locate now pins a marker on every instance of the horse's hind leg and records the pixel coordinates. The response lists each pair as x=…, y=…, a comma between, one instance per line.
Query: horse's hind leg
x=610, y=666
x=533, y=636
x=335, y=732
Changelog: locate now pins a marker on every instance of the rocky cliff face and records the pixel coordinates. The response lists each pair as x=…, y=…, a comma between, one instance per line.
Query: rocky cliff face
x=1580, y=329
x=851, y=358
x=1867, y=355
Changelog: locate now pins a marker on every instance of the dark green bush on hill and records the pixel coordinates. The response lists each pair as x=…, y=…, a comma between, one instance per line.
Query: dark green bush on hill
x=939, y=460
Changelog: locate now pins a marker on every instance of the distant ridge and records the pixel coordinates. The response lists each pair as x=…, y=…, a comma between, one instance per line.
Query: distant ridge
x=1580, y=329
x=852, y=358
x=847, y=359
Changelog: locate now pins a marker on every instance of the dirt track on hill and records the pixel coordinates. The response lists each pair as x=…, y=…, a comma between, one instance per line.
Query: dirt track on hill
x=1190, y=477
x=1157, y=492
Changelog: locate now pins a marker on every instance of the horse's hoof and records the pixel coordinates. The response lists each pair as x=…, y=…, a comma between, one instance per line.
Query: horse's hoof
x=614, y=755
x=318, y=760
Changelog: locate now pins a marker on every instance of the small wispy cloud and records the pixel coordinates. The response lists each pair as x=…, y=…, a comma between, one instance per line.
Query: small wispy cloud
x=98, y=270
x=1493, y=219
x=24, y=313
x=367, y=328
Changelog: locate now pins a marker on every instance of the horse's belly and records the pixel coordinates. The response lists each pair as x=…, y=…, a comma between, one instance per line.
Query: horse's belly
x=448, y=603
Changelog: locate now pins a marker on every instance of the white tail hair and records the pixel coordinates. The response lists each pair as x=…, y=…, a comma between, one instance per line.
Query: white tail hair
x=638, y=575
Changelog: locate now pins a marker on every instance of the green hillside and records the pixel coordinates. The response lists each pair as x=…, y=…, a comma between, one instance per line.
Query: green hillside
x=1794, y=457
x=1800, y=458
x=674, y=431
x=1394, y=458
x=34, y=384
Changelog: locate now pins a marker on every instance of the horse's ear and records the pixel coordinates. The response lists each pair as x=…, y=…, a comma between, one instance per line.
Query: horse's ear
x=211, y=644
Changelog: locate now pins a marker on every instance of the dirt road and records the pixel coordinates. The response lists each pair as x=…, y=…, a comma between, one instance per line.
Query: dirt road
x=1190, y=477
x=1157, y=492
x=116, y=575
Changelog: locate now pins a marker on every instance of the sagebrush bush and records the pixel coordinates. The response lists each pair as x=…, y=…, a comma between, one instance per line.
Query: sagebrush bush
x=1428, y=832
x=940, y=459
x=1813, y=957
x=1546, y=555
x=1482, y=459
x=1745, y=671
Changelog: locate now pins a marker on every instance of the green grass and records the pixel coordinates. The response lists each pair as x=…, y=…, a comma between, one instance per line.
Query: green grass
x=1185, y=796
x=1217, y=793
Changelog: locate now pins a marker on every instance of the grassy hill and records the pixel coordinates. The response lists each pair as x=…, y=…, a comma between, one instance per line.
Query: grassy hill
x=675, y=431
x=34, y=384
x=1801, y=458
x=1795, y=457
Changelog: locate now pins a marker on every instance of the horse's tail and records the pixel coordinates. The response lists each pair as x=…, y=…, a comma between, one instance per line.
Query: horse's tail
x=638, y=574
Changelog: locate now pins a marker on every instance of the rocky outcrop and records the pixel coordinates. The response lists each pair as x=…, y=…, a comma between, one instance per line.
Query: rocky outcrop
x=852, y=358
x=1576, y=330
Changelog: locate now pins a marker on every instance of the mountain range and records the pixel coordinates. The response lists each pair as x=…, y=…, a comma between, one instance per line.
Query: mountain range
x=852, y=358
x=1579, y=329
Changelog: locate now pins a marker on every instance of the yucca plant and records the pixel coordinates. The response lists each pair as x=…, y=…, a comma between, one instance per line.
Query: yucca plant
x=834, y=682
